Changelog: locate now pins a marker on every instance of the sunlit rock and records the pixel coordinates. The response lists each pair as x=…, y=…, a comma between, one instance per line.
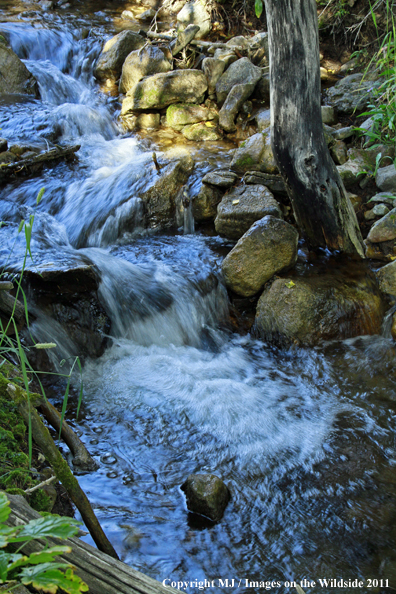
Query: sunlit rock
x=195, y=13
x=240, y=72
x=268, y=247
x=242, y=207
x=14, y=76
x=114, y=53
x=255, y=154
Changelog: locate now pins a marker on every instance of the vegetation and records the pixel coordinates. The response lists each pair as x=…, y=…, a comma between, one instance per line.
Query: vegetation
x=39, y=569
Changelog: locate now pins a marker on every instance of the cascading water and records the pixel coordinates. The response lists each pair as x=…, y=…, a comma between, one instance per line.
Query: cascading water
x=304, y=439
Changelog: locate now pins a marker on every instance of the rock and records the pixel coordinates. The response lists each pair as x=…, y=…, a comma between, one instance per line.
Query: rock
x=260, y=40
x=128, y=15
x=221, y=178
x=386, y=197
x=386, y=277
x=386, y=178
x=243, y=206
x=160, y=198
x=205, y=203
x=274, y=183
x=369, y=215
x=343, y=133
x=213, y=68
x=142, y=121
x=255, y=154
x=46, y=5
x=147, y=15
x=352, y=172
x=227, y=56
x=380, y=210
x=7, y=157
x=309, y=310
x=207, y=495
x=235, y=99
x=338, y=151
x=3, y=145
x=385, y=250
x=160, y=90
x=114, y=53
x=195, y=13
x=240, y=42
x=15, y=78
x=328, y=115
x=384, y=229
x=183, y=114
x=141, y=63
x=262, y=90
x=351, y=94
x=355, y=201
x=183, y=39
x=240, y=72
x=263, y=119
x=201, y=131
x=268, y=247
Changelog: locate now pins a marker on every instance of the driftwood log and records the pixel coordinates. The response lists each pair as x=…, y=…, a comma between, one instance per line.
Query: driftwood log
x=33, y=164
x=103, y=574
x=321, y=206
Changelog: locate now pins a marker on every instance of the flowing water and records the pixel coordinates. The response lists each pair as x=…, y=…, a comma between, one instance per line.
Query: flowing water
x=305, y=439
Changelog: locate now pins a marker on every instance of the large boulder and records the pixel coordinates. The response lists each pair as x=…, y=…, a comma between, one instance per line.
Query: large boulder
x=234, y=101
x=159, y=199
x=351, y=94
x=240, y=72
x=160, y=90
x=179, y=115
x=114, y=53
x=255, y=154
x=242, y=207
x=14, y=76
x=195, y=13
x=269, y=247
x=384, y=229
x=223, y=178
x=141, y=63
x=309, y=310
x=207, y=495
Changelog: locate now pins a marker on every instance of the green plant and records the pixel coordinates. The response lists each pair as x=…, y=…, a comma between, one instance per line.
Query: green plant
x=382, y=109
x=40, y=569
x=258, y=8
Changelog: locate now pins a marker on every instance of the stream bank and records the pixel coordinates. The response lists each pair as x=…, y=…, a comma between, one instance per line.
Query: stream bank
x=302, y=437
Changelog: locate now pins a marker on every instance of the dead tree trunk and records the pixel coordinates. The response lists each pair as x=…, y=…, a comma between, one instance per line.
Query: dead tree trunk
x=320, y=203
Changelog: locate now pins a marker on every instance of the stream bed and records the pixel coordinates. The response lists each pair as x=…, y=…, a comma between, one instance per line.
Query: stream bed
x=304, y=438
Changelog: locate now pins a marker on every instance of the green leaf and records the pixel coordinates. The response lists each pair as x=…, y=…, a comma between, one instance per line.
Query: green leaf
x=21, y=225
x=290, y=284
x=56, y=527
x=47, y=555
x=16, y=561
x=258, y=8
x=49, y=578
x=40, y=196
x=4, y=559
x=4, y=508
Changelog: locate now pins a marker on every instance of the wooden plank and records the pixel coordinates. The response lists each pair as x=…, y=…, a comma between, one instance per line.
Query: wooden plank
x=102, y=573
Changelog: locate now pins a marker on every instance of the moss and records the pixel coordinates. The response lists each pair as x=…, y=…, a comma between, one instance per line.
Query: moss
x=40, y=501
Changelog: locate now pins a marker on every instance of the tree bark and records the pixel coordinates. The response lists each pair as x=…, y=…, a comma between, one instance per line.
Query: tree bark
x=321, y=206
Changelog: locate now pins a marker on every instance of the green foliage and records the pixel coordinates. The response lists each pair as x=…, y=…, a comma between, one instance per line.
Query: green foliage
x=258, y=8
x=40, y=569
x=382, y=110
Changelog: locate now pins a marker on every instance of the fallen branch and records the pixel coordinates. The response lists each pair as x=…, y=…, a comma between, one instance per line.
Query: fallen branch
x=25, y=166
x=43, y=439
x=81, y=457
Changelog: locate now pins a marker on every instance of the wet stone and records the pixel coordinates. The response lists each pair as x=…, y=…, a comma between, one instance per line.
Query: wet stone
x=384, y=229
x=207, y=495
x=221, y=178
x=3, y=145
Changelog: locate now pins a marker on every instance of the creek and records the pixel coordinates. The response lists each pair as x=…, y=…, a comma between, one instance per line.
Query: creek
x=304, y=438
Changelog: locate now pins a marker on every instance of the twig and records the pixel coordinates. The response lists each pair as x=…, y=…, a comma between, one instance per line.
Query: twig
x=46, y=482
